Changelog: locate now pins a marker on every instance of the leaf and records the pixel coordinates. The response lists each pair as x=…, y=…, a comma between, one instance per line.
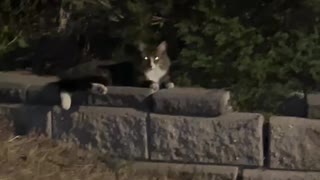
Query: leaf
x=22, y=43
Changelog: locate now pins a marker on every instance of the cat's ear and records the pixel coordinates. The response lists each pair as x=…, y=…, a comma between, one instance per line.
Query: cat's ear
x=142, y=46
x=162, y=47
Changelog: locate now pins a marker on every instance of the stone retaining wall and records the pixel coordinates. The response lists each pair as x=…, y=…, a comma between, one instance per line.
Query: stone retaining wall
x=180, y=131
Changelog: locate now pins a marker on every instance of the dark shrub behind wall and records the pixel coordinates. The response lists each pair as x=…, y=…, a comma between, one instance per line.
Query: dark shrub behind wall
x=261, y=50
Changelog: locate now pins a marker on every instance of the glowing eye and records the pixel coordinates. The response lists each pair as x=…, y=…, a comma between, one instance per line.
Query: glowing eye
x=146, y=58
x=156, y=58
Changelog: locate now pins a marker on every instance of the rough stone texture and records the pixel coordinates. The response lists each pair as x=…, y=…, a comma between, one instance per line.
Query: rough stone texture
x=257, y=174
x=12, y=92
x=120, y=132
x=166, y=171
x=313, y=105
x=28, y=119
x=13, y=85
x=123, y=97
x=191, y=102
x=5, y=112
x=234, y=138
x=26, y=78
x=32, y=118
x=294, y=143
x=5, y=109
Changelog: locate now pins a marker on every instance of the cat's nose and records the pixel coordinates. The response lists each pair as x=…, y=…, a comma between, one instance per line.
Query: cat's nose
x=152, y=66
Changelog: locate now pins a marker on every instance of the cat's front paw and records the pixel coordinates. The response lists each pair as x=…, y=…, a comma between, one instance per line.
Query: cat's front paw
x=155, y=86
x=99, y=89
x=170, y=85
x=66, y=101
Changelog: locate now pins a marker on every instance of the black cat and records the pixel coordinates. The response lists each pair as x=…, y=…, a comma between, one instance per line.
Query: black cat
x=152, y=71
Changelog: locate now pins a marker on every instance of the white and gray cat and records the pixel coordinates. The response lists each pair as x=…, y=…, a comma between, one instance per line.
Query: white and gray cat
x=151, y=71
x=156, y=66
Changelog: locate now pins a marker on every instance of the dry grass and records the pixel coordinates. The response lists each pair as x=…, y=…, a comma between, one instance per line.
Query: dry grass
x=35, y=158
x=40, y=158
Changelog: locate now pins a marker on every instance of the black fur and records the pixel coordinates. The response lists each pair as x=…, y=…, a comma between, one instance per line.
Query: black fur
x=121, y=74
x=80, y=84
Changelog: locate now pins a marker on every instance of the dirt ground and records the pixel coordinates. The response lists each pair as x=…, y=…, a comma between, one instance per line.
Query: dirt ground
x=37, y=157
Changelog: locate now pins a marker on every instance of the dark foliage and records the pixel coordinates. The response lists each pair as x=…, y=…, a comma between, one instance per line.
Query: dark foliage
x=262, y=50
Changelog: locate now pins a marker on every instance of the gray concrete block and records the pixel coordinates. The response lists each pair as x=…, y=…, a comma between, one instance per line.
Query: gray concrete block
x=5, y=109
x=120, y=132
x=132, y=97
x=234, y=139
x=28, y=119
x=294, y=143
x=165, y=171
x=25, y=78
x=258, y=174
x=191, y=102
x=313, y=101
x=12, y=92
x=13, y=85
x=5, y=113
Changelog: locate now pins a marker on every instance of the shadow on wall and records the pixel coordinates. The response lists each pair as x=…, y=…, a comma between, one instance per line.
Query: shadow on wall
x=29, y=119
x=294, y=106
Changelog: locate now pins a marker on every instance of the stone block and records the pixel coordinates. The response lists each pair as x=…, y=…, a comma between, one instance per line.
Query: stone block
x=120, y=132
x=117, y=96
x=12, y=92
x=25, y=78
x=13, y=85
x=234, y=138
x=5, y=110
x=259, y=174
x=27, y=119
x=313, y=101
x=294, y=143
x=191, y=102
x=6, y=114
x=172, y=171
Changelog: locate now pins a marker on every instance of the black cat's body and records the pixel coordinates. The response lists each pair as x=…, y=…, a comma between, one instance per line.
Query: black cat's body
x=152, y=72
x=66, y=87
x=80, y=84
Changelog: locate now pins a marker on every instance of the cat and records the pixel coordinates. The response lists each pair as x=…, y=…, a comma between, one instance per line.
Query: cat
x=155, y=66
x=66, y=87
x=151, y=71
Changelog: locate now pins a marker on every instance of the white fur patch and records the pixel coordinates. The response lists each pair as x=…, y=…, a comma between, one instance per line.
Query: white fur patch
x=65, y=100
x=170, y=85
x=99, y=89
x=155, y=87
x=155, y=74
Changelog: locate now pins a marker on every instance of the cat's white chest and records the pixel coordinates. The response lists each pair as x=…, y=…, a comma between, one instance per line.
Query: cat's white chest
x=155, y=74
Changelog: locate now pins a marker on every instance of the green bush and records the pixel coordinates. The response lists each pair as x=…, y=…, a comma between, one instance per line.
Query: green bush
x=261, y=64
x=261, y=50
x=10, y=36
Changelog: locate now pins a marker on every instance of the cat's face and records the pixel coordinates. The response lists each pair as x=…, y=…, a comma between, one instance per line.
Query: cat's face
x=154, y=57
